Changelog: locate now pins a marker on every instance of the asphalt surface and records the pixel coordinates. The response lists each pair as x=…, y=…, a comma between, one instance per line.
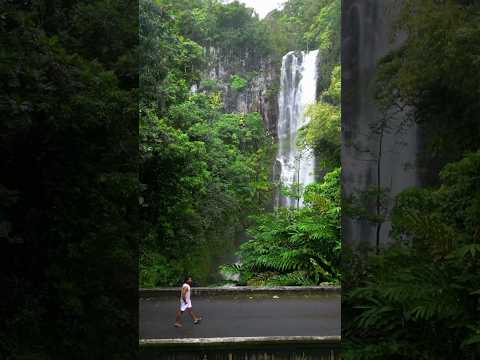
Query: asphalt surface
x=244, y=316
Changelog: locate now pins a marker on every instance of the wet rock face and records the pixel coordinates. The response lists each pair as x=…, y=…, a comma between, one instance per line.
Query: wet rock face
x=371, y=158
x=262, y=76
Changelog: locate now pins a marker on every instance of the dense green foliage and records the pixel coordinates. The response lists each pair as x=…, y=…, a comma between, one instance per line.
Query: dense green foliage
x=202, y=171
x=238, y=83
x=299, y=25
x=303, y=24
x=211, y=23
x=69, y=185
x=221, y=169
x=295, y=247
x=421, y=296
x=323, y=132
x=442, y=93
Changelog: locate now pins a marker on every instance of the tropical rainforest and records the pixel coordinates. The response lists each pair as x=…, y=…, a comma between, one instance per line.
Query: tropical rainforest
x=206, y=171
x=69, y=179
x=420, y=297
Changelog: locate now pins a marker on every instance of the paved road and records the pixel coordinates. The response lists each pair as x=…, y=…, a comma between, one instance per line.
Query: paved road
x=301, y=315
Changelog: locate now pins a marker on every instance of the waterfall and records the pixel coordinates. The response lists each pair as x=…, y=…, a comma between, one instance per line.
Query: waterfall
x=298, y=88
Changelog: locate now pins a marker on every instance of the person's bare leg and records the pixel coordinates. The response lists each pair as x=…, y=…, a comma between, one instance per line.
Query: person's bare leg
x=192, y=314
x=178, y=320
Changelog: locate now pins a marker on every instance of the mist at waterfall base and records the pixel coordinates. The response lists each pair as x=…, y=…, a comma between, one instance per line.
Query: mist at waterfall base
x=298, y=88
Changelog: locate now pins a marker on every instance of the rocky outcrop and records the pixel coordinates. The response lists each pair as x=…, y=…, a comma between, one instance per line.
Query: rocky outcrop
x=262, y=81
x=373, y=156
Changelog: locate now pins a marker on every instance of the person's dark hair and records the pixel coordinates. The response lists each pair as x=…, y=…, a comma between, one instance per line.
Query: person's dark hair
x=186, y=279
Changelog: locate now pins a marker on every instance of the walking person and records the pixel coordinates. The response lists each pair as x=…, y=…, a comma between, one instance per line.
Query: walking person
x=186, y=303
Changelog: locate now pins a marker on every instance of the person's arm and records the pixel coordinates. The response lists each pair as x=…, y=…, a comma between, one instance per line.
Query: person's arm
x=184, y=293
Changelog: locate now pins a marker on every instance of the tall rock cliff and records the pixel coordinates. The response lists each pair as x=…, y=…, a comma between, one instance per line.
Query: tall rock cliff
x=248, y=83
x=379, y=149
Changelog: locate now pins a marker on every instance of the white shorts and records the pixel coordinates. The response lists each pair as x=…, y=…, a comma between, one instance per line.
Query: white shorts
x=185, y=306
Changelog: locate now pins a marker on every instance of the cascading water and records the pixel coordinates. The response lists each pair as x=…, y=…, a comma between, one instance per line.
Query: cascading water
x=298, y=89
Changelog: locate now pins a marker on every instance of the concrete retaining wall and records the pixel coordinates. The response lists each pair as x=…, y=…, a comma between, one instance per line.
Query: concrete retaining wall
x=242, y=290
x=260, y=348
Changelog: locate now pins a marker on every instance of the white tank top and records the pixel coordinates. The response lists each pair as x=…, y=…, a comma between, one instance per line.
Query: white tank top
x=187, y=296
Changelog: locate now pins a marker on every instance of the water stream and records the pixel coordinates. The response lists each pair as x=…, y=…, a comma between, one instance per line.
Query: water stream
x=298, y=88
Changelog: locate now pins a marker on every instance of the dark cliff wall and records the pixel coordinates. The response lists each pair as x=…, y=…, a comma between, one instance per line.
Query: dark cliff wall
x=371, y=157
x=261, y=92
